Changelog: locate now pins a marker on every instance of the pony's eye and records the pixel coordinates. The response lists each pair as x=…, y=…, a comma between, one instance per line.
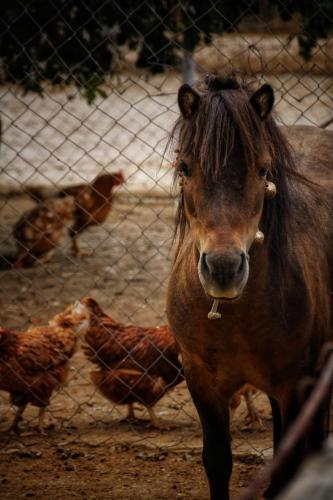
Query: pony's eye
x=263, y=172
x=183, y=169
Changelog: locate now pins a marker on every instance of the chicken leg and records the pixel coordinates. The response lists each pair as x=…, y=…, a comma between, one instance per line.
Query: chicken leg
x=76, y=250
x=41, y=417
x=130, y=413
x=155, y=422
x=18, y=417
x=253, y=415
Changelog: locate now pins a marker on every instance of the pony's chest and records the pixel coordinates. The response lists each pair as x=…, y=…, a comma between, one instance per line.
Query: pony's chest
x=234, y=354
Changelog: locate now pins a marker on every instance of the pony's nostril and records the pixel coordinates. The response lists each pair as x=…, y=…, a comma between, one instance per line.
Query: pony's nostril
x=242, y=263
x=210, y=263
x=204, y=263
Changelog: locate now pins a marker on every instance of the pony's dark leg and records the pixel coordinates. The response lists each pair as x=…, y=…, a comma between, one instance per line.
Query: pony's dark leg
x=216, y=455
x=320, y=427
x=321, y=423
x=289, y=467
x=310, y=442
x=277, y=423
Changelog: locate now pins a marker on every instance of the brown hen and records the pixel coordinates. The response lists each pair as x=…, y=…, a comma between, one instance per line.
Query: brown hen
x=135, y=364
x=92, y=204
x=34, y=363
x=39, y=230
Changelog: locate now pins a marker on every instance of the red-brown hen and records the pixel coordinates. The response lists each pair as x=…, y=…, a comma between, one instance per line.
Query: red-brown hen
x=34, y=363
x=135, y=363
x=92, y=203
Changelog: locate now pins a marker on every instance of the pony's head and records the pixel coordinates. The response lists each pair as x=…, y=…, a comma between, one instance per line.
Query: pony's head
x=227, y=153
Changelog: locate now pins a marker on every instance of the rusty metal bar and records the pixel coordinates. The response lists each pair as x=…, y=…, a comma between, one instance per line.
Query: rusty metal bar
x=295, y=432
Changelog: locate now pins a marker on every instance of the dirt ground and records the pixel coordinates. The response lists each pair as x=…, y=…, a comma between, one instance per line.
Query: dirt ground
x=89, y=452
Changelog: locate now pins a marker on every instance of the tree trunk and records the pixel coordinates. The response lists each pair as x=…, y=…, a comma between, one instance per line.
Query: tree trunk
x=188, y=68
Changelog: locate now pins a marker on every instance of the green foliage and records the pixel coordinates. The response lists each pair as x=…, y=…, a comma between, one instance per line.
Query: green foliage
x=57, y=41
x=77, y=42
x=316, y=20
x=71, y=41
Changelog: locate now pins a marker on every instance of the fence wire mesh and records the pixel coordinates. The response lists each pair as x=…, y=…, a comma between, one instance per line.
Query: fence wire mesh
x=84, y=170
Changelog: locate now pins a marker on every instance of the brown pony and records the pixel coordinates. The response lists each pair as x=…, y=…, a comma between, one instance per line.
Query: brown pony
x=276, y=298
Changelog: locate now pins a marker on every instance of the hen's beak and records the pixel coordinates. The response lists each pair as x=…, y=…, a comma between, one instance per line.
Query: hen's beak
x=78, y=308
x=82, y=314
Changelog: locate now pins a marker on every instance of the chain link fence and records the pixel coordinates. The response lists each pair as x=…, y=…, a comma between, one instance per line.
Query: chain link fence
x=55, y=144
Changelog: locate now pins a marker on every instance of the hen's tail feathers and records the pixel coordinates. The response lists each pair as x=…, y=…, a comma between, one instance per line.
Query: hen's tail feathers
x=40, y=194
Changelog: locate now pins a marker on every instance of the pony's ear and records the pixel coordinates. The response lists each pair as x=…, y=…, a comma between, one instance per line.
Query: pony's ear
x=188, y=101
x=263, y=100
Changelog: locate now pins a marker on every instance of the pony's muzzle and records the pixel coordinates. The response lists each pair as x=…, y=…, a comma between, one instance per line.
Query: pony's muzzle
x=223, y=275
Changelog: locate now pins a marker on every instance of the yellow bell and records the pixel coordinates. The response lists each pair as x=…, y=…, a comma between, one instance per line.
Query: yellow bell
x=259, y=238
